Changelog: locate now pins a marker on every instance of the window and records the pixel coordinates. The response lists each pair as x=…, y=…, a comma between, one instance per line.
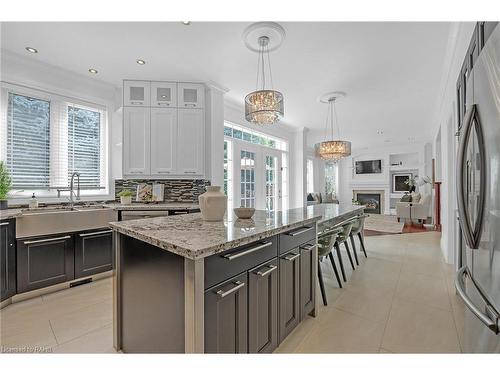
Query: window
x=47, y=137
x=228, y=171
x=84, y=145
x=271, y=182
x=247, y=135
x=310, y=175
x=28, y=141
x=331, y=178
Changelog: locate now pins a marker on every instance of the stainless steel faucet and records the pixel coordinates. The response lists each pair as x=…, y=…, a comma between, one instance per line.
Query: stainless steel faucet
x=72, y=190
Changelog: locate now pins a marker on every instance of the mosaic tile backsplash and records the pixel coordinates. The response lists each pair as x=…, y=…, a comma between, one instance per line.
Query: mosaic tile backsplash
x=175, y=190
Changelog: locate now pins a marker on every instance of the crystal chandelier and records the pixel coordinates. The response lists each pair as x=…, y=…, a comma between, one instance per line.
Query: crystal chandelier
x=334, y=149
x=264, y=106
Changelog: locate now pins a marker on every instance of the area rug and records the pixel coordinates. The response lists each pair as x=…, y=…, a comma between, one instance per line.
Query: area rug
x=383, y=223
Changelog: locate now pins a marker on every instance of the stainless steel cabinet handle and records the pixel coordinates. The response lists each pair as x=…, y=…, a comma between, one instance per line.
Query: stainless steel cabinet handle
x=163, y=103
x=180, y=212
x=270, y=268
x=291, y=257
x=47, y=240
x=236, y=255
x=491, y=317
x=136, y=102
x=95, y=233
x=307, y=247
x=190, y=172
x=190, y=105
x=238, y=285
x=306, y=229
x=164, y=172
x=2, y=224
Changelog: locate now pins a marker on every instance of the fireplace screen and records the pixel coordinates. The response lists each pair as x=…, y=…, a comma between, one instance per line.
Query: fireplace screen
x=371, y=201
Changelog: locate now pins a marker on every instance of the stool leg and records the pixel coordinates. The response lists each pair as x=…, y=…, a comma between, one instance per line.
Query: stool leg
x=362, y=242
x=354, y=249
x=349, y=255
x=330, y=255
x=322, y=284
x=341, y=263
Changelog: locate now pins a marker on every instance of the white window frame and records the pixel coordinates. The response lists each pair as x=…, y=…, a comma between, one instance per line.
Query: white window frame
x=58, y=100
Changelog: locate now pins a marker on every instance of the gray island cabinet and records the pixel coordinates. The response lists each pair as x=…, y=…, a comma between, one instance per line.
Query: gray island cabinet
x=183, y=285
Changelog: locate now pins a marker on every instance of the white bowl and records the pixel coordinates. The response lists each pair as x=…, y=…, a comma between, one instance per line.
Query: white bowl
x=244, y=212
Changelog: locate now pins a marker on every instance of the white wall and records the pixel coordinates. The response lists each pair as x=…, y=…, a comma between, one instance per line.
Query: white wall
x=444, y=123
x=20, y=70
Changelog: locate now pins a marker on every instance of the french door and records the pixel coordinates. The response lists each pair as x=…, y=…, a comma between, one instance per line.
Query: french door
x=257, y=181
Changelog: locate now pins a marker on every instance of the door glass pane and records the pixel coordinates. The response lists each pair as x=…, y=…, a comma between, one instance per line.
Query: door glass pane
x=137, y=93
x=271, y=183
x=247, y=183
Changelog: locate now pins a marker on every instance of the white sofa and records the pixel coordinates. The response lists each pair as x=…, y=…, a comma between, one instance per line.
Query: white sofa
x=419, y=206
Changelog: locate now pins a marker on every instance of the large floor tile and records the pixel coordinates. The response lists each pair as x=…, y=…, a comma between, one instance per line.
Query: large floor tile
x=32, y=336
x=424, y=289
x=77, y=323
x=98, y=341
x=366, y=302
x=416, y=328
x=342, y=332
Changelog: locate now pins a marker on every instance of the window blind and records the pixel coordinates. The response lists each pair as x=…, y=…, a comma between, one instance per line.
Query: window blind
x=47, y=137
x=28, y=140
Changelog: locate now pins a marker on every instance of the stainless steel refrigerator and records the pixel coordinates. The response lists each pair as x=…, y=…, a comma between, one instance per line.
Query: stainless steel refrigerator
x=478, y=193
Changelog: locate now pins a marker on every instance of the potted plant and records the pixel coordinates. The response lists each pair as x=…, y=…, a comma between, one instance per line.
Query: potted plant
x=5, y=185
x=126, y=196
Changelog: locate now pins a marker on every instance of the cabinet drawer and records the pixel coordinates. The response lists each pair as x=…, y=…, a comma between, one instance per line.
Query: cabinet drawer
x=297, y=237
x=220, y=267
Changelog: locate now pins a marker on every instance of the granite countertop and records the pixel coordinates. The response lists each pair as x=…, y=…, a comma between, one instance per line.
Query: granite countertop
x=10, y=213
x=157, y=206
x=192, y=237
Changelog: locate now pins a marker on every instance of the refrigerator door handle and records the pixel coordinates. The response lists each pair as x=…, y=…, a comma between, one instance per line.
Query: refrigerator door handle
x=491, y=316
x=472, y=235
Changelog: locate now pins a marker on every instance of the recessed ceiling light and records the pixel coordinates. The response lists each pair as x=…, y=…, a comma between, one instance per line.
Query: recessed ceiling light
x=93, y=71
x=140, y=62
x=31, y=49
x=380, y=132
x=187, y=23
x=387, y=140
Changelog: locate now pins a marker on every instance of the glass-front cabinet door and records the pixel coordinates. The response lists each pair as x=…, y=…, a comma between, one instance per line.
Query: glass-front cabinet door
x=136, y=93
x=191, y=95
x=163, y=94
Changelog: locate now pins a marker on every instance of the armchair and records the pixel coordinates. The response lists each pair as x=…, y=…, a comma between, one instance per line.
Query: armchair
x=414, y=210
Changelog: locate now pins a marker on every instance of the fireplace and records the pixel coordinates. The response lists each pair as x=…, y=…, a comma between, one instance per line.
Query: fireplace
x=371, y=201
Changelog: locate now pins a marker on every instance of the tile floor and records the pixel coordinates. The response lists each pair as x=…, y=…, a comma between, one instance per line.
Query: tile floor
x=400, y=300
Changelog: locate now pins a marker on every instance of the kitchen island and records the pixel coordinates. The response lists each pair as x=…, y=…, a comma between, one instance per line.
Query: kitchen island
x=183, y=285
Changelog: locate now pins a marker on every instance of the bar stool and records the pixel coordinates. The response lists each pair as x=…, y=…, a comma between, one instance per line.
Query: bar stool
x=342, y=239
x=357, y=229
x=326, y=241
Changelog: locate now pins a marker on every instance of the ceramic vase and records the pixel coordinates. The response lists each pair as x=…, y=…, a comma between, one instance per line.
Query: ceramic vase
x=213, y=204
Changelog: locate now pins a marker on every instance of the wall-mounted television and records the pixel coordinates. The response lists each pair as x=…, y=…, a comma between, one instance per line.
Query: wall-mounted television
x=368, y=166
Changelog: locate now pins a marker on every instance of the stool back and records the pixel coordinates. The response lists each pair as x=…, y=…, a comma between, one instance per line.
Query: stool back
x=359, y=224
x=326, y=240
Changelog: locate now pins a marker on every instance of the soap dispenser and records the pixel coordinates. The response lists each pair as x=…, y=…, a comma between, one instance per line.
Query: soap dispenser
x=33, y=202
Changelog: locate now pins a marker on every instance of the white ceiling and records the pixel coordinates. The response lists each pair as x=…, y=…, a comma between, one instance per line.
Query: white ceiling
x=390, y=71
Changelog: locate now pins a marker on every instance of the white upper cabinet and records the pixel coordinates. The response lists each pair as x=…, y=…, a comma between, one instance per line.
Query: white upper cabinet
x=163, y=141
x=190, y=95
x=163, y=94
x=190, y=136
x=136, y=93
x=136, y=141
